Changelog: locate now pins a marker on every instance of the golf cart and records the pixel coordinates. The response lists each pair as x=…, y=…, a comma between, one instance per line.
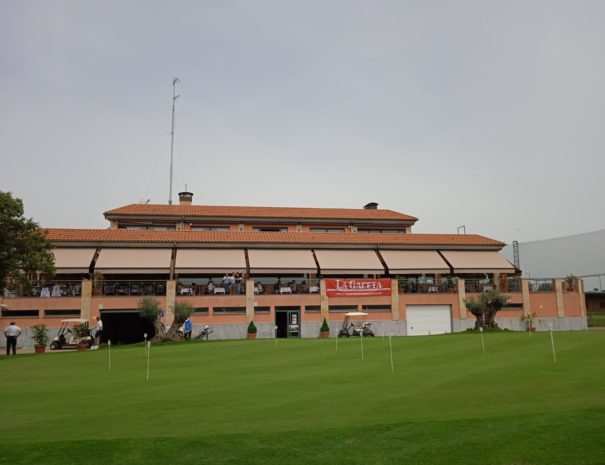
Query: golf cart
x=66, y=337
x=349, y=328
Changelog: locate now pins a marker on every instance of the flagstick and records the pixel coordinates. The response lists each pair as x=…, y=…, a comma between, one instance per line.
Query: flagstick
x=148, y=351
x=482, y=342
x=145, y=336
x=391, y=348
x=337, y=343
x=361, y=340
x=552, y=343
x=109, y=352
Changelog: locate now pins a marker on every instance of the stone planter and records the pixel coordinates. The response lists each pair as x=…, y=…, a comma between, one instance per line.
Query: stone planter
x=251, y=336
x=324, y=334
x=82, y=346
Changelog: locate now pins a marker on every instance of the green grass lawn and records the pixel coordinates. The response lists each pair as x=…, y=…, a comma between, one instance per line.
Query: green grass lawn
x=301, y=401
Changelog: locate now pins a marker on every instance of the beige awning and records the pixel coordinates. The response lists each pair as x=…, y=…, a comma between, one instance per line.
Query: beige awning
x=349, y=262
x=210, y=260
x=134, y=261
x=281, y=261
x=414, y=262
x=73, y=260
x=478, y=262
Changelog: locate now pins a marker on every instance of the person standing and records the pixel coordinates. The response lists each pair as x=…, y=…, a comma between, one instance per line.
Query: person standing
x=99, y=332
x=188, y=328
x=12, y=332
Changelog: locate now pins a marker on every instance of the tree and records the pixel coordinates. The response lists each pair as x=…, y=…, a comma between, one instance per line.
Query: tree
x=182, y=311
x=485, y=308
x=24, y=250
x=149, y=308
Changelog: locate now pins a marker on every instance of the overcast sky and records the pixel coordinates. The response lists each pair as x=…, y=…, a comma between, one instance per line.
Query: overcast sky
x=484, y=114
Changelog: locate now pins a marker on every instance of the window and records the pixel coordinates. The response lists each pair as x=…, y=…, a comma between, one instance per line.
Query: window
x=513, y=305
x=19, y=313
x=383, y=231
x=62, y=313
x=343, y=308
x=376, y=308
x=262, y=309
x=200, y=311
x=270, y=229
x=210, y=228
x=229, y=310
x=149, y=227
x=337, y=230
x=312, y=308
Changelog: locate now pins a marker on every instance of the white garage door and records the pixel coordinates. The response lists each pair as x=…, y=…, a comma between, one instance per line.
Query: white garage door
x=428, y=319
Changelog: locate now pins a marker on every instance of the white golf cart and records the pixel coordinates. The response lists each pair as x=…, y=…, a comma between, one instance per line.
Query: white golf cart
x=66, y=339
x=360, y=327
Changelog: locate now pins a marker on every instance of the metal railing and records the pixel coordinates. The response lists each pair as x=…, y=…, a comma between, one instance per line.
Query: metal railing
x=478, y=285
x=513, y=284
x=427, y=285
x=57, y=288
x=541, y=285
x=130, y=288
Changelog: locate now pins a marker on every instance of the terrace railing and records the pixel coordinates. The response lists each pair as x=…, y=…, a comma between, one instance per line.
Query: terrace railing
x=541, y=285
x=56, y=288
x=427, y=285
x=130, y=288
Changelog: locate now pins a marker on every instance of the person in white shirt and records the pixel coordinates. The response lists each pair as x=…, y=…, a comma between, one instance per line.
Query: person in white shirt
x=99, y=332
x=12, y=332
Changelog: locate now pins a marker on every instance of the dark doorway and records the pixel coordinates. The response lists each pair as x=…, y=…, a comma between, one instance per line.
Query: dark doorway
x=287, y=320
x=281, y=321
x=125, y=327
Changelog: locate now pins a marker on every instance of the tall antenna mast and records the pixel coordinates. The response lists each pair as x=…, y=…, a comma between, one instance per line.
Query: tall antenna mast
x=175, y=81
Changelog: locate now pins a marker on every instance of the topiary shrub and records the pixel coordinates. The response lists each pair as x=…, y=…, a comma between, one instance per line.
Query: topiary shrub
x=251, y=328
x=324, y=326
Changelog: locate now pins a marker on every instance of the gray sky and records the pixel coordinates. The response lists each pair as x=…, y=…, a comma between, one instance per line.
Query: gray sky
x=485, y=114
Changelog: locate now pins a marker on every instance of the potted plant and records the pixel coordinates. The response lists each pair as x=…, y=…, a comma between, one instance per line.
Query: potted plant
x=40, y=337
x=528, y=319
x=324, y=331
x=251, y=330
x=82, y=335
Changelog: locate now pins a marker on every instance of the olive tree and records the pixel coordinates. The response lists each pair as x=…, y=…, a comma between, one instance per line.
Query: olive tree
x=150, y=309
x=484, y=308
x=182, y=311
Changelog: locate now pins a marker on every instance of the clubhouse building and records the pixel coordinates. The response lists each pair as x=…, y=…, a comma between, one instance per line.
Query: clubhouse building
x=286, y=269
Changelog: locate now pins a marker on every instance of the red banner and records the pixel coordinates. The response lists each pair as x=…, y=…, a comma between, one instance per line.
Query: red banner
x=357, y=287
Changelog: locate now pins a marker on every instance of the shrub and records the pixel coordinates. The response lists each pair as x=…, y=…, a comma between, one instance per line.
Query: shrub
x=40, y=334
x=251, y=328
x=324, y=326
x=81, y=331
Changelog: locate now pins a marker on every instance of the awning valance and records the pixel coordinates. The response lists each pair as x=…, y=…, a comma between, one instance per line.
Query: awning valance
x=210, y=261
x=414, y=262
x=73, y=260
x=349, y=262
x=477, y=262
x=134, y=261
x=281, y=261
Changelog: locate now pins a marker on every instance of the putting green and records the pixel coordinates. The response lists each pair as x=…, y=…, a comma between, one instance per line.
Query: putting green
x=303, y=401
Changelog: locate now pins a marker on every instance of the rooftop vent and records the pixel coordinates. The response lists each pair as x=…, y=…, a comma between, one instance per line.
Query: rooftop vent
x=369, y=206
x=185, y=198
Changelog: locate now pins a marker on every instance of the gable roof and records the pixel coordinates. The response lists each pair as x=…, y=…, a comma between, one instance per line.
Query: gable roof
x=215, y=211
x=264, y=239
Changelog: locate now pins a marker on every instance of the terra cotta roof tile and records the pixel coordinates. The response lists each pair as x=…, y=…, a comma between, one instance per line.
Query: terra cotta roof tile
x=256, y=212
x=198, y=238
